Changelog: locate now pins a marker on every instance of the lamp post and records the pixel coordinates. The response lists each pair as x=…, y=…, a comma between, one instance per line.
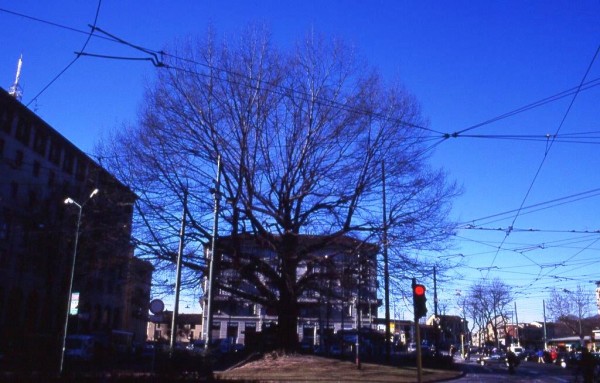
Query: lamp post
x=70, y=201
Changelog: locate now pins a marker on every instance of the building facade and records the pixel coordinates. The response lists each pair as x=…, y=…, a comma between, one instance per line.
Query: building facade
x=39, y=170
x=346, y=300
x=189, y=327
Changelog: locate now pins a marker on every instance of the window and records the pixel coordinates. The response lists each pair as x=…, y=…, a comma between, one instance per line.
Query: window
x=32, y=198
x=14, y=190
x=1, y=147
x=6, y=118
x=36, y=168
x=3, y=229
x=23, y=133
x=54, y=155
x=68, y=162
x=80, y=169
x=39, y=142
x=19, y=158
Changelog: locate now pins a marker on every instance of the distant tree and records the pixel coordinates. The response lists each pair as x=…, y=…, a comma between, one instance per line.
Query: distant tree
x=301, y=136
x=571, y=308
x=487, y=303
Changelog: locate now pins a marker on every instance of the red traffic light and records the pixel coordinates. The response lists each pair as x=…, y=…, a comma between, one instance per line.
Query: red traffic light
x=419, y=290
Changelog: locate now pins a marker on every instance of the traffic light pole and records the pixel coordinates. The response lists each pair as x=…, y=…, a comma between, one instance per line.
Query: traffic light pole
x=418, y=341
x=419, y=356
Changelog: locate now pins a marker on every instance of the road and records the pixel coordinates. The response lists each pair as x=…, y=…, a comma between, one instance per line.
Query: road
x=529, y=372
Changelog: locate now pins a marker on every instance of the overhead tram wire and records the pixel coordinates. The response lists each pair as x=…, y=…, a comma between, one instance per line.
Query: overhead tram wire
x=159, y=63
x=546, y=100
x=563, y=200
x=565, y=139
x=543, y=161
x=72, y=62
x=574, y=90
x=279, y=89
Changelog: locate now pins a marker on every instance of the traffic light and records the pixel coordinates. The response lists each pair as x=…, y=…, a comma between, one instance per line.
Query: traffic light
x=419, y=301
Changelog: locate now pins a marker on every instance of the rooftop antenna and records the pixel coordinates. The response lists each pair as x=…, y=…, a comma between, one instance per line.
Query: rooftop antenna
x=15, y=90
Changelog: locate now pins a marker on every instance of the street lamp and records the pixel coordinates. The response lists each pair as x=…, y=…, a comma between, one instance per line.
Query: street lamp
x=70, y=201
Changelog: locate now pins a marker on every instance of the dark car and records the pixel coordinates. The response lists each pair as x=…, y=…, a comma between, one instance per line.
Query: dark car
x=568, y=359
x=494, y=358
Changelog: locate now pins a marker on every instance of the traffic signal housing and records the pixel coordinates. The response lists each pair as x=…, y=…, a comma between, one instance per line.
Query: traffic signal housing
x=419, y=301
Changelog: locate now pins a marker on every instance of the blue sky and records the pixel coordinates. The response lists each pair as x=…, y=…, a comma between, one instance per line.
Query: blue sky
x=465, y=61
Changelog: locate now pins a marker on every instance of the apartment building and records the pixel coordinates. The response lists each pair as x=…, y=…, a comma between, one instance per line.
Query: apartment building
x=39, y=170
x=350, y=288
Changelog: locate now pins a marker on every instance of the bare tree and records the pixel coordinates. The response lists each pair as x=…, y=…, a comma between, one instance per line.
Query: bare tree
x=302, y=135
x=570, y=308
x=488, y=304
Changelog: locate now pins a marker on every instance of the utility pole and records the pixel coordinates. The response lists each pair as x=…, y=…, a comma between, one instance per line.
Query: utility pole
x=517, y=327
x=435, y=297
x=435, y=311
x=545, y=338
x=386, y=271
x=178, y=275
x=358, y=318
x=217, y=195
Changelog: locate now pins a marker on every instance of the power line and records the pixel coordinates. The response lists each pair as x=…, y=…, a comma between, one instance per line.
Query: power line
x=73, y=61
x=159, y=63
x=531, y=208
x=517, y=230
x=549, y=147
x=546, y=100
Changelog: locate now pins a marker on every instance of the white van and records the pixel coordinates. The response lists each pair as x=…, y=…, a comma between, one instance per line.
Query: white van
x=518, y=350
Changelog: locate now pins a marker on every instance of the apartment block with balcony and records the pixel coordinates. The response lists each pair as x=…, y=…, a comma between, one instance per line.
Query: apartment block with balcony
x=349, y=286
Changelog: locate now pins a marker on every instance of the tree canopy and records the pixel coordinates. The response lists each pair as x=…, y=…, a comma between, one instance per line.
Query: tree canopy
x=488, y=304
x=301, y=135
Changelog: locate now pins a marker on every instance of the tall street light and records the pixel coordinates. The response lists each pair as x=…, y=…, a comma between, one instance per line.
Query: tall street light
x=70, y=201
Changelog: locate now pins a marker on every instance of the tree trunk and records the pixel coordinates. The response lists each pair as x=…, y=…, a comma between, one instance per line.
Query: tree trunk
x=288, y=324
x=288, y=294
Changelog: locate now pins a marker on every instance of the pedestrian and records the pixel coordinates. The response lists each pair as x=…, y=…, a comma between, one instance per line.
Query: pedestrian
x=587, y=364
x=540, y=355
x=553, y=355
x=512, y=360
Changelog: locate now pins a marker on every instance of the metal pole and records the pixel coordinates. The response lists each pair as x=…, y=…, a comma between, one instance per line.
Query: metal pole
x=517, y=327
x=358, y=319
x=70, y=292
x=386, y=272
x=545, y=339
x=212, y=256
x=72, y=276
x=435, y=312
x=418, y=342
x=178, y=276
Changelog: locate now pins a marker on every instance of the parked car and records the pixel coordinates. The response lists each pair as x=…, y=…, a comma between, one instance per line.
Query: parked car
x=495, y=358
x=568, y=359
x=335, y=350
x=226, y=345
x=80, y=347
x=197, y=346
x=426, y=349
